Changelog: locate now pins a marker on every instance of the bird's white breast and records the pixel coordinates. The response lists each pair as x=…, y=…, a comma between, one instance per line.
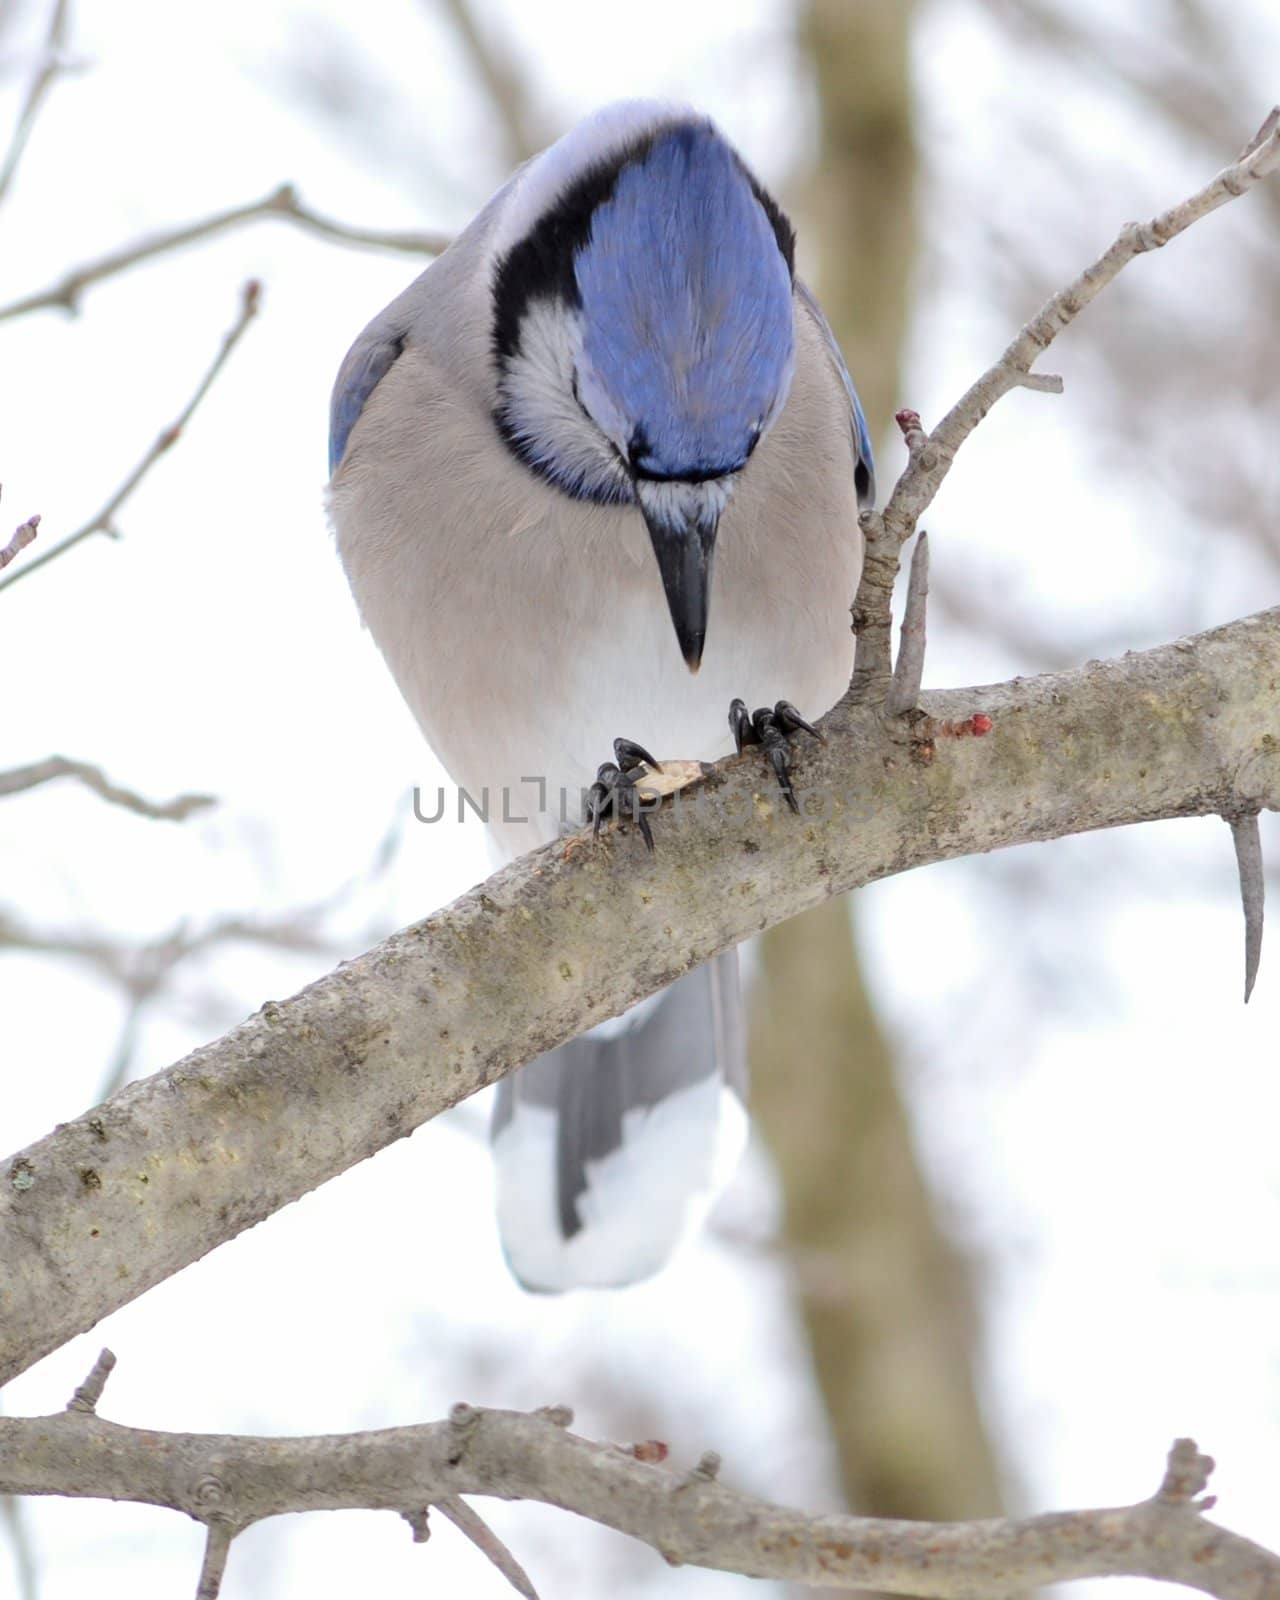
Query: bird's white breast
x=526, y=629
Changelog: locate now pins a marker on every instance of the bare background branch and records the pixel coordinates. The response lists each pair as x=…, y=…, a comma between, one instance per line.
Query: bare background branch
x=103, y=521
x=19, y=779
x=52, y=65
x=687, y=1516
x=282, y=204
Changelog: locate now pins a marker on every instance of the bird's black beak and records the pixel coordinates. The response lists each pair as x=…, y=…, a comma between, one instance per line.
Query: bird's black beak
x=683, y=532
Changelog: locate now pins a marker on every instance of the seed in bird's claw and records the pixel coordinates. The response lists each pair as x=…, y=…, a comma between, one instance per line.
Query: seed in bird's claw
x=675, y=775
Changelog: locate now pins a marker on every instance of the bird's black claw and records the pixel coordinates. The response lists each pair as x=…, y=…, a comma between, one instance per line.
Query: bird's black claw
x=790, y=721
x=771, y=729
x=629, y=755
x=740, y=723
x=614, y=793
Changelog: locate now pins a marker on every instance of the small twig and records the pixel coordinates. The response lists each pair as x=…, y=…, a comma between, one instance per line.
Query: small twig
x=281, y=205
x=52, y=67
x=908, y=674
x=217, y=1546
x=1040, y=382
x=14, y=1522
x=121, y=1063
x=104, y=520
x=913, y=434
x=86, y=1397
x=930, y=454
x=23, y=535
x=19, y=779
x=487, y=1542
x=915, y=490
x=872, y=612
x=19, y=1536
x=1265, y=134
x=1248, y=842
x=504, y=83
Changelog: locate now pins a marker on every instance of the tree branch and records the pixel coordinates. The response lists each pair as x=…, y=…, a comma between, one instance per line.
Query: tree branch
x=504, y=83
x=487, y=1542
x=228, y=1482
x=915, y=490
x=18, y=779
x=930, y=454
x=282, y=205
x=52, y=67
x=103, y=521
x=115, y=1201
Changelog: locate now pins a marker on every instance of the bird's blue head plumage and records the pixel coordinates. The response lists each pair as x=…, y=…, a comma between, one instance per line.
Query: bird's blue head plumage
x=687, y=321
x=644, y=337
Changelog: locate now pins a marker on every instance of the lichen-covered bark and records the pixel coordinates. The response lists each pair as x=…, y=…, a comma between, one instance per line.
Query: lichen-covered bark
x=116, y=1200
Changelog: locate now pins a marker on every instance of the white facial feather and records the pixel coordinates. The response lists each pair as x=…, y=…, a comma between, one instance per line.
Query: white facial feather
x=538, y=404
x=677, y=503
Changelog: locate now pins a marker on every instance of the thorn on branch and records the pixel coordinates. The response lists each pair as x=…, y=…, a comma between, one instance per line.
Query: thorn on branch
x=1248, y=842
x=904, y=692
x=708, y=1467
x=217, y=1546
x=89, y=1393
x=1186, y=1475
x=486, y=1541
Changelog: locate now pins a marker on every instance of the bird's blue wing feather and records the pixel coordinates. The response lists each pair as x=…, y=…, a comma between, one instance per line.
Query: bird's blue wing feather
x=863, y=458
x=368, y=361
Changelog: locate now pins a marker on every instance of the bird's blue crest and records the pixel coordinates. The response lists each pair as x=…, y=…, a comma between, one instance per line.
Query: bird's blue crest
x=688, y=333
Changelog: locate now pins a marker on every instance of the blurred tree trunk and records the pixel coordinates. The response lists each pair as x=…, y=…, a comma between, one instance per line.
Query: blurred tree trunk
x=884, y=1296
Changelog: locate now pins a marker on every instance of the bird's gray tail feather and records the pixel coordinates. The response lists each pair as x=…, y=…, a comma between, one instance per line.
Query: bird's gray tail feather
x=609, y=1148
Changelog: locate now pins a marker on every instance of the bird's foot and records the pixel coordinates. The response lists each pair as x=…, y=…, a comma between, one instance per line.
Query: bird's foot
x=614, y=793
x=771, y=729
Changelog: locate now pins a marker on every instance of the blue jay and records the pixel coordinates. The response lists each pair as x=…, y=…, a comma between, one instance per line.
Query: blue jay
x=597, y=472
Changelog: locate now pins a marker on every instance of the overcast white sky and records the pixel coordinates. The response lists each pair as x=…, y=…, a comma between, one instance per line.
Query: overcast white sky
x=1111, y=1156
